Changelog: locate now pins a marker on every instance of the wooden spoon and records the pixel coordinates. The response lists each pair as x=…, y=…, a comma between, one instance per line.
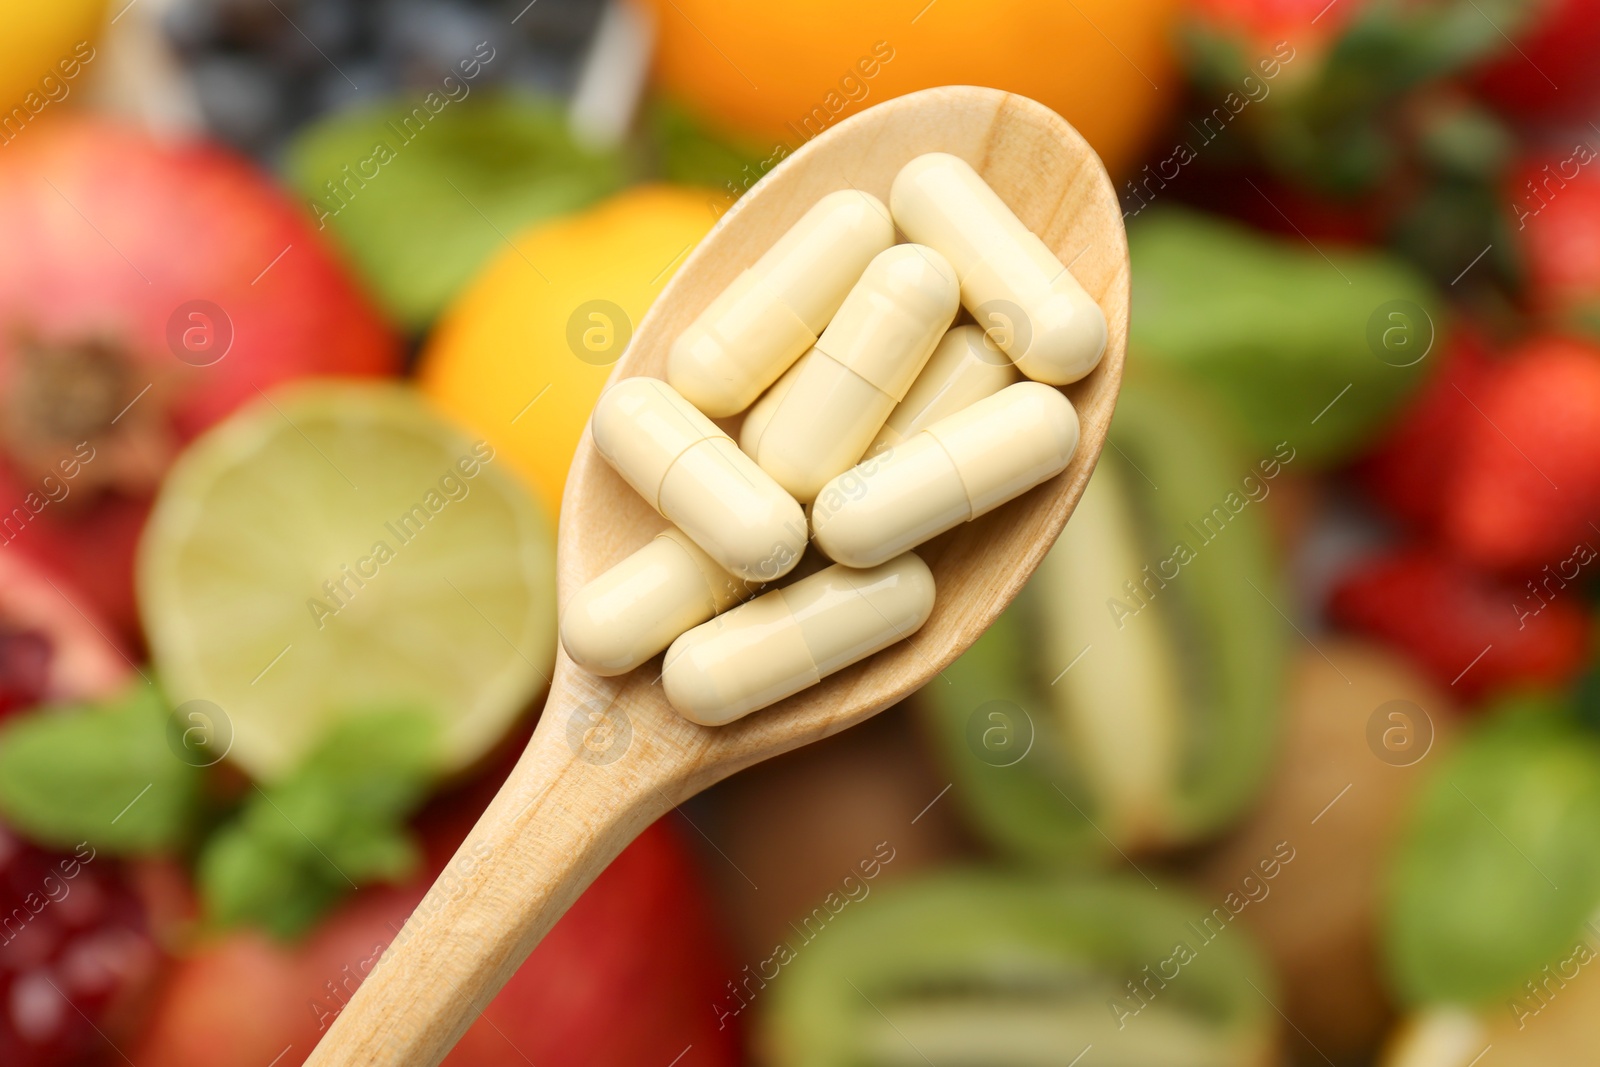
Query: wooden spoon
x=610, y=756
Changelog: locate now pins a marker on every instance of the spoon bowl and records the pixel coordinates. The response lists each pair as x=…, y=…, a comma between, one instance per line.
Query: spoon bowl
x=610, y=755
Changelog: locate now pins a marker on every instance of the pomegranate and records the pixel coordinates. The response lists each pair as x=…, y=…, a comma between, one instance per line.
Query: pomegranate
x=50, y=649
x=75, y=956
x=74, y=948
x=147, y=288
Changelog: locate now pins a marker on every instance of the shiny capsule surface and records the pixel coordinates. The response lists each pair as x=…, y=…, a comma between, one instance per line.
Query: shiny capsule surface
x=759, y=416
x=788, y=639
x=1010, y=280
x=961, y=467
x=692, y=473
x=846, y=386
x=640, y=606
x=964, y=368
x=774, y=311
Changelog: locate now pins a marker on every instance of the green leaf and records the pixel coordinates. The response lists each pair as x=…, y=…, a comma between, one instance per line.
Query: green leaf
x=689, y=152
x=1300, y=341
x=1456, y=222
x=101, y=773
x=337, y=822
x=1331, y=121
x=1500, y=865
x=1467, y=141
x=1394, y=46
x=426, y=199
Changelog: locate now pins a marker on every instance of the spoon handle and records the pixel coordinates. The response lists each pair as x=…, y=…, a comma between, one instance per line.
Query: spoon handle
x=560, y=818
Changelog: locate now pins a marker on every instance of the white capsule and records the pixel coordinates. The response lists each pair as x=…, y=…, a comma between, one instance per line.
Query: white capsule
x=1010, y=281
x=964, y=368
x=788, y=639
x=693, y=473
x=859, y=369
x=961, y=467
x=758, y=326
x=641, y=605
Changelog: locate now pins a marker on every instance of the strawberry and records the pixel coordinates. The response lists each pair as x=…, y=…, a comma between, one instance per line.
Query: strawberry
x=1407, y=471
x=1526, y=485
x=1555, y=203
x=1550, y=74
x=1473, y=633
x=1257, y=27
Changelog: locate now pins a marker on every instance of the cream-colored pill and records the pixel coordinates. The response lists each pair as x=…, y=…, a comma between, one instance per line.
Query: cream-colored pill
x=640, y=606
x=693, y=473
x=859, y=369
x=759, y=416
x=758, y=326
x=788, y=639
x=962, y=466
x=964, y=368
x=1010, y=280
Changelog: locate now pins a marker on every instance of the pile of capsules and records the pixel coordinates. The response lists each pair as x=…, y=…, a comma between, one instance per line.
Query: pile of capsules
x=890, y=426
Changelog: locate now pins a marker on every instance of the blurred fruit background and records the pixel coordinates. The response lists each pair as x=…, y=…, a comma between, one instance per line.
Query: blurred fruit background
x=1289, y=754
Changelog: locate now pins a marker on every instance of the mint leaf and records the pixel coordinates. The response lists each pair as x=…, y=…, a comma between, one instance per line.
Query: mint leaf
x=299, y=845
x=1275, y=330
x=689, y=152
x=1473, y=905
x=101, y=773
x=420, y=203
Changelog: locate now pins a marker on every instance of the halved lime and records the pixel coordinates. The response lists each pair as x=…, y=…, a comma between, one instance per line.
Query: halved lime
x=337, y=547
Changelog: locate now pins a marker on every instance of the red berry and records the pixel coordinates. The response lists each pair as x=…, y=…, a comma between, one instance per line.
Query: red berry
x=1526, y=486
x=74, y=955
x=1550, y=75
x=1472, y=633
x=1555, y=203
x=1261, y=27
x=1408, y=471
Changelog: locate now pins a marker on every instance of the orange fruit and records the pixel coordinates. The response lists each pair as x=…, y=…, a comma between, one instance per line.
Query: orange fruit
x=780, y=72
x=45, y=51
x=521, y=355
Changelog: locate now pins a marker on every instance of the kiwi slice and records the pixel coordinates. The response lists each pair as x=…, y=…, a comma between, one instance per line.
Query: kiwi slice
x=1129, y=699
x=991, y=969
